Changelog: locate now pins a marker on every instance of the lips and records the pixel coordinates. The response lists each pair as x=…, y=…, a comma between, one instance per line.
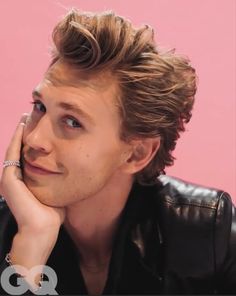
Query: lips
x=37, y=169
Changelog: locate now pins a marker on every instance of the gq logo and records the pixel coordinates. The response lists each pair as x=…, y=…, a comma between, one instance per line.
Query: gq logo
x=47, y=287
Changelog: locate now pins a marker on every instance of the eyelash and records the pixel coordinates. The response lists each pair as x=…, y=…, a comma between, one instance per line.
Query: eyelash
x=34, y=103
x=65, y=118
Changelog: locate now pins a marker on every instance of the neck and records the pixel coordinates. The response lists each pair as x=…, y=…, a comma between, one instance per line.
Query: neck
x=92, y=223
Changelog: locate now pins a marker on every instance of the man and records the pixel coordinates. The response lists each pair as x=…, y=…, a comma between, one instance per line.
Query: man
x=88, y=197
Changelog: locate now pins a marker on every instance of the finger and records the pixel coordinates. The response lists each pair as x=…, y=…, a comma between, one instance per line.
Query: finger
x=14, y=149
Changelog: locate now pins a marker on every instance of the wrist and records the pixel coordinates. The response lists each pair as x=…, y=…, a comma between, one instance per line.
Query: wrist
x=28, y=252
x=31, y=250
x=35, y=282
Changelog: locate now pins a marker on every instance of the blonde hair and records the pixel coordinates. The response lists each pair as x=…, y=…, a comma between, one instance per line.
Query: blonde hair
x=157, y=87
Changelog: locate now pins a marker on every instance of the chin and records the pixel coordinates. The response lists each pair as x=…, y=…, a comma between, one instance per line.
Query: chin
x=43, y=193
x=44, y=197
x=48, y=202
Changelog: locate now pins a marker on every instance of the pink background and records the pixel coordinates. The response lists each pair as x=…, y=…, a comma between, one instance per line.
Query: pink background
x=203, y=30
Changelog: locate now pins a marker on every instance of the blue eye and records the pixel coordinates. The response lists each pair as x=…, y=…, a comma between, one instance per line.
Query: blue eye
x=73, y=123
x=39, y=107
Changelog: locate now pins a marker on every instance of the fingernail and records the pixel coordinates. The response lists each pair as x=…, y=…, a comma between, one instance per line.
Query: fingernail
x=24, y=118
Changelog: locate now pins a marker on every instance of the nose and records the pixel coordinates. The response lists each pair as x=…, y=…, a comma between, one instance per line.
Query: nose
x=38, y=135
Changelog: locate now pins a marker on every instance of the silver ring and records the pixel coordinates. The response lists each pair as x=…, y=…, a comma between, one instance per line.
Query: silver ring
x=7, y=163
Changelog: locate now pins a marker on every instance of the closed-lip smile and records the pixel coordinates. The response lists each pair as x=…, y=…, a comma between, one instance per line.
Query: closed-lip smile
x=37, y=169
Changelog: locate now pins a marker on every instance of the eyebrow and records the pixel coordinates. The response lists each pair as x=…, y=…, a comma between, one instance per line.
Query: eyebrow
x=68, y=107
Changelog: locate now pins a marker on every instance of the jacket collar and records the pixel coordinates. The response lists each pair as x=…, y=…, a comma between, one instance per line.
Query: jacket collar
x=139, y=229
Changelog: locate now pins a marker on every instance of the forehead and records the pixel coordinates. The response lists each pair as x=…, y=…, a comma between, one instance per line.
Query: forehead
x=62, y=74
x=98, y=96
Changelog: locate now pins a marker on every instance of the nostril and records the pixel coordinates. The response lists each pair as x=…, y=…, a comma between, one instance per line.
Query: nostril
x=35, y=141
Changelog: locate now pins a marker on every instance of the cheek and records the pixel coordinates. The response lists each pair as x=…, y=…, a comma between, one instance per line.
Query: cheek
x=91, y=161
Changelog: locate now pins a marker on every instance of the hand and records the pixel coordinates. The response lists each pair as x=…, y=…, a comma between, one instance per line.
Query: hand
x=31, y=215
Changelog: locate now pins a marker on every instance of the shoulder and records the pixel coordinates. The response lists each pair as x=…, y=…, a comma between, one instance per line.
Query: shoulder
x=189, y=201
x=196, y=217
x=186, y=210
x=198, y=226
x=178, y=191
x=183, y=202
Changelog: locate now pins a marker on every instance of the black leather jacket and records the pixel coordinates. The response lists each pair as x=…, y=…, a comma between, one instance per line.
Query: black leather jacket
x=174, y=238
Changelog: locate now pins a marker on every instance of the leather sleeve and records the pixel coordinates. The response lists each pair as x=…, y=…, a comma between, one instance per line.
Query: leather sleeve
x=3, y=266
x=225, y=235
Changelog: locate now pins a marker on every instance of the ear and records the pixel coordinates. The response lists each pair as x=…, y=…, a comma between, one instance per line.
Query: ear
x=142, y=152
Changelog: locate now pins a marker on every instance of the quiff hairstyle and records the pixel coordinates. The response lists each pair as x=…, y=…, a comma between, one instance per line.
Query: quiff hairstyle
x=156, y=87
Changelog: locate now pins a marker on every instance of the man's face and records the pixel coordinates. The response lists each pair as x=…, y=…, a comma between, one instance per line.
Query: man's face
x=73, y=133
